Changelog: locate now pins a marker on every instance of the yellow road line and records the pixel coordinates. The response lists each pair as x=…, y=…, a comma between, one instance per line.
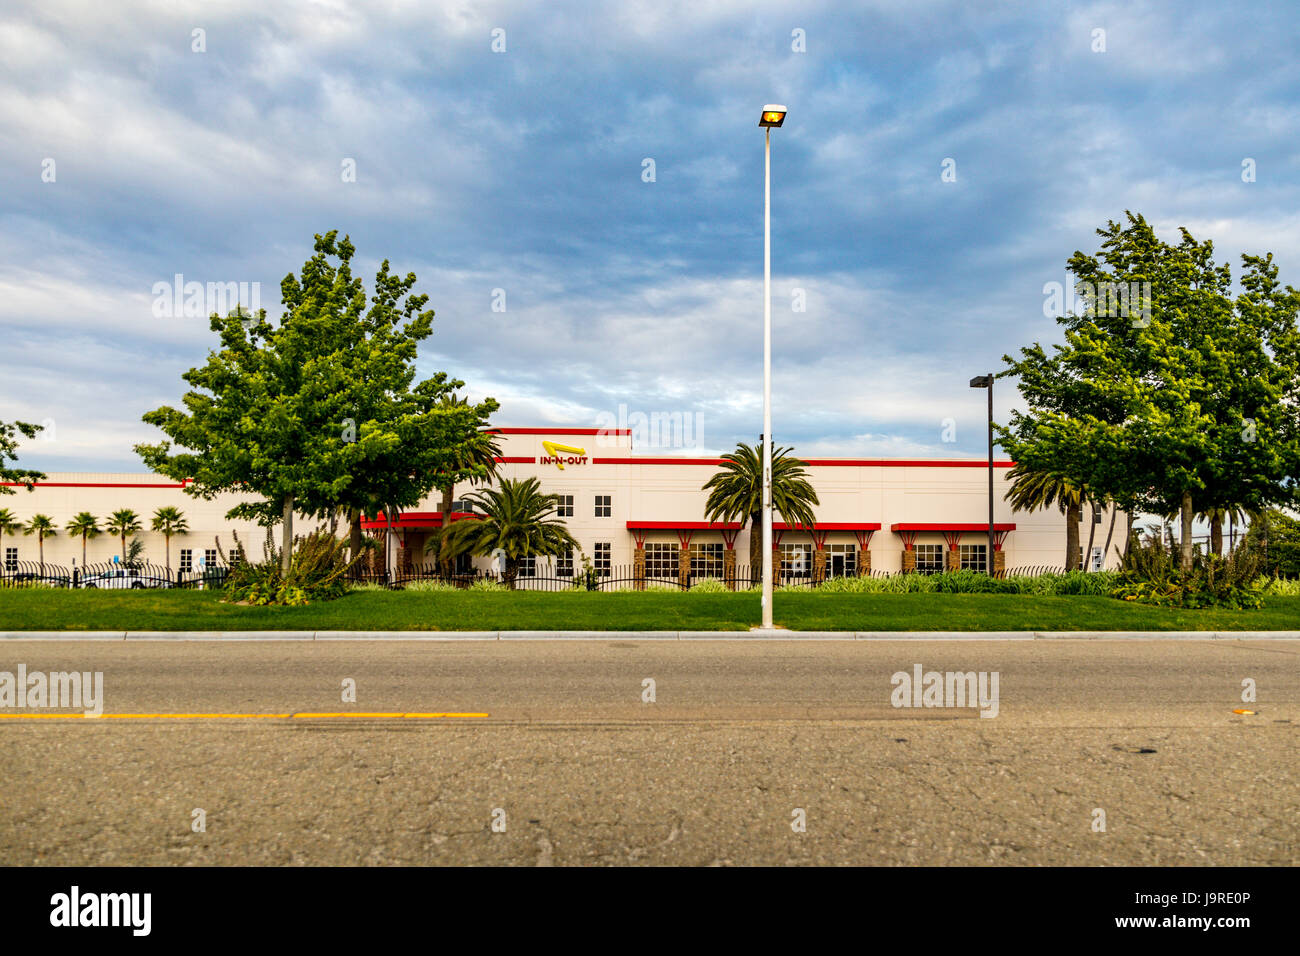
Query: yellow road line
x=306, y=716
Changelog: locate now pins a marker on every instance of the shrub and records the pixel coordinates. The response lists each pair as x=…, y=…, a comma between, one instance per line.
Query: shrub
x=710, y=586
x=1152, y=574
x=316, y=572
x=483, y=584
x=432, y=585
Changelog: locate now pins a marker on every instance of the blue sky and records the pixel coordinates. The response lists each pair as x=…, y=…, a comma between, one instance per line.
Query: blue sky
x=522, y=170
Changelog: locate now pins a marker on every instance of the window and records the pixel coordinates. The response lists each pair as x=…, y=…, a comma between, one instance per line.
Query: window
x=187, y=560
x=1097, y=557
x=11, y=559
x=1096, y=515
x=706, y=560
x=841, y=560
x=796, y=560
x=974, y=557
x=210, y=558
x=602, y=558
x=564, y=506
x=528, y=566
x=232, y=557
x=604, y=506
x=564, y=565
x=929, y=558
x=463, y=506
x=661, y=560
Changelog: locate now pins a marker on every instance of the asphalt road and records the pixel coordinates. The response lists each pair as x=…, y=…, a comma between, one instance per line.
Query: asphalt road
x=582, y=771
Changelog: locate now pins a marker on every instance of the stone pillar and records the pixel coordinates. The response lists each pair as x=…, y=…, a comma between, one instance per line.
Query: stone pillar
x=729, y=567
x=909, y=560
x=999, y=562
x=952, y=560
x=819, y=565
x=864, y=563
x=638, y=568
x=684, y=568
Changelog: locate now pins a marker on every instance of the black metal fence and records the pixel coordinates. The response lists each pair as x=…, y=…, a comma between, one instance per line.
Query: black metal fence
x=624, y=578
x=109, y=576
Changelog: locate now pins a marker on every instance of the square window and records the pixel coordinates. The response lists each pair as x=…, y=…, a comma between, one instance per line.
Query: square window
x=706, y=560
x=210, y=558
x=796, y=560
x=564, y=506
x=929, y=558
x=528, y=566
x=604, y=506
x=661, y=560
x=974, y=557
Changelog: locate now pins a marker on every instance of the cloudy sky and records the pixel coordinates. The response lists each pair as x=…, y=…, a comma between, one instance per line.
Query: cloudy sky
x=133, y=148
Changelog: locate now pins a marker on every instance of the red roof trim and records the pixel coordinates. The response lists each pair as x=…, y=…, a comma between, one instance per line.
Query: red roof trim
x=829, y=526
x=415, y=519
x=94, y=484
x=683, y=525
x=516, y=460
x=825, y=462
x=949, y=526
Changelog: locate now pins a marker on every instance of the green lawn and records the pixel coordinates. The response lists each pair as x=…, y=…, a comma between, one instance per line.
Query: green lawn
x=397, y=611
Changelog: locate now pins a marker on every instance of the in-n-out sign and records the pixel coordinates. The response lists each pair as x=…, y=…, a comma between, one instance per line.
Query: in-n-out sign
x=561, y=455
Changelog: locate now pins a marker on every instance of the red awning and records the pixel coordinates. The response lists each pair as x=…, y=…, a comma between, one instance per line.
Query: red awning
x=413, y=520
x=950, y=526
x=736, y=526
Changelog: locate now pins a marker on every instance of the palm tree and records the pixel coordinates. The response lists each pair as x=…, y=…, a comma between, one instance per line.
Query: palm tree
x=9, y=524
x=169, y=521
x=477, y=458
x=517, y=518
x=43, y=527
x=736, y=493
x=1033, y=489
x=121, y=523
x=84, y=525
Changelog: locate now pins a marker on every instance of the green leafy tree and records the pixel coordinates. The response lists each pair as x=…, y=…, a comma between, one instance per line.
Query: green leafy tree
x=1275, y=536
x=43, y=527
x=169, y=521
x=122, y=523
x=318, y=413
x=84, y=525
x=736, y=493
x=516, y=518
x=1186, y=401
x=9, y=433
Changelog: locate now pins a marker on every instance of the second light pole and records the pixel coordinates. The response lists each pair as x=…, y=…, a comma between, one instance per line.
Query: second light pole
x=773, y=115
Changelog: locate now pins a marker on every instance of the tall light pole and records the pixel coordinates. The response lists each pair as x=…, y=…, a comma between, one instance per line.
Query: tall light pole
x=986, y=381
x=773, y=115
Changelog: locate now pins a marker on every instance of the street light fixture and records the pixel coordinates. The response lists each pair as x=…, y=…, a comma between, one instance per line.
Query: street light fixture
x=773, y=115
x=986, y=381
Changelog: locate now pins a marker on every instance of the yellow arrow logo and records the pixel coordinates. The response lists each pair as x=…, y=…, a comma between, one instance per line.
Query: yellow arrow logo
x=555, y=449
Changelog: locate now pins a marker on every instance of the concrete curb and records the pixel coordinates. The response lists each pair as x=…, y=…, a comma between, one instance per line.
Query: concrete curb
x=779, y=635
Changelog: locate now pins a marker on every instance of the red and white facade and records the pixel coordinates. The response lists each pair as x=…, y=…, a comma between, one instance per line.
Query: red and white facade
x=634, y=508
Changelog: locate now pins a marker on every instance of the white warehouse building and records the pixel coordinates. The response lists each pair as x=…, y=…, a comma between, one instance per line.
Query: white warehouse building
x=633, y=514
